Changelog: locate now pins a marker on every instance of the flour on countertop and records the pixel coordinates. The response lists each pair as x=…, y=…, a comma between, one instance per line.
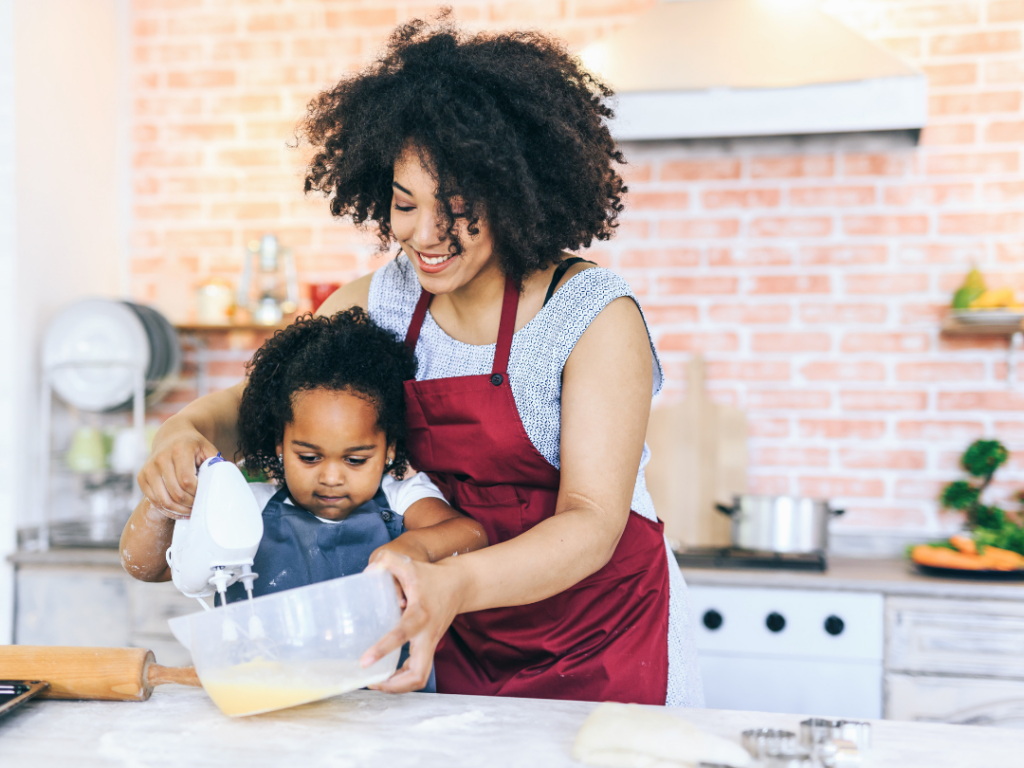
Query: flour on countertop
x=452, y=722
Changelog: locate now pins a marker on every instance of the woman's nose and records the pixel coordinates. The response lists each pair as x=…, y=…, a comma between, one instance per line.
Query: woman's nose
x=426, y=230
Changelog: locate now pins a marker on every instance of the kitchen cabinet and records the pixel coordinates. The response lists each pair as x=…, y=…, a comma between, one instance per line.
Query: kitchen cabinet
x=958, y=700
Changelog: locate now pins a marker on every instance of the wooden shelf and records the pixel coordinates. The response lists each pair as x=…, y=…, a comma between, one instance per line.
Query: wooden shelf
x=953, y=327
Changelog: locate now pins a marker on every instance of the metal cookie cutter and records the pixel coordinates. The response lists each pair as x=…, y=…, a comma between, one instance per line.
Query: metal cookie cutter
x=776, y=749
x=836, y=743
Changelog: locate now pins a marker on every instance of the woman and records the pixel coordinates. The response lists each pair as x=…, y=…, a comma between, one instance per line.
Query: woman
x=485, y=158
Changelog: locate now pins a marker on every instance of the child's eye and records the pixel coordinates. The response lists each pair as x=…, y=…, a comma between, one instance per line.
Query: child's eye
x=356, y=461
x=307, y=459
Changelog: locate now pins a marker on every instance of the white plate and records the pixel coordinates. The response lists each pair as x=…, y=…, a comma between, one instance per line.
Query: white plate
x=95, y=330
x=989, y=316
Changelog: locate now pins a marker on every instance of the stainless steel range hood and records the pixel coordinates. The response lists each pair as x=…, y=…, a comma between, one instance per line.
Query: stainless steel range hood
x=714, y=68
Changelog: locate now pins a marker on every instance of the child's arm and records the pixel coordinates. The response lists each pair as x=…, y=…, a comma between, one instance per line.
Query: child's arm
x=144, y=543
x=435, y=531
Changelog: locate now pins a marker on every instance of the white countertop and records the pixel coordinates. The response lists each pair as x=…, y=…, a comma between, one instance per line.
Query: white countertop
x=889, y=576
x=180, y=727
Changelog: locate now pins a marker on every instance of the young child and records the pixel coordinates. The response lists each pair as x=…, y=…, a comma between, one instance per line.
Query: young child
x=323, y=414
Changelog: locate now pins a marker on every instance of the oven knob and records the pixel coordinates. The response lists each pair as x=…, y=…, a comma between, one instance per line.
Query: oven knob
x=776, y=622
x=834, y=625
x=712, y=619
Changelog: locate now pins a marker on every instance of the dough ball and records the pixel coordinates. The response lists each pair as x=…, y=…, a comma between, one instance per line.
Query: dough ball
x=632, y=736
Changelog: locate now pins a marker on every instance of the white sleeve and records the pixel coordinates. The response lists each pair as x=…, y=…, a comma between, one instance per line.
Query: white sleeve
x=264, y=492
x=402, y=494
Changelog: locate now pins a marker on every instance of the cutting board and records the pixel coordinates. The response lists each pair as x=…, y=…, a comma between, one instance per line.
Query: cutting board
x=698, y=457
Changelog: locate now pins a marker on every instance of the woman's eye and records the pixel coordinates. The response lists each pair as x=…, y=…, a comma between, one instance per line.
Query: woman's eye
x=404, y=208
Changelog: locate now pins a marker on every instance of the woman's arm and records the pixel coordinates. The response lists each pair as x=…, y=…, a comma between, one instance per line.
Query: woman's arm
x=435, y=531
x=144, y=543
x=208, y=425
x=606, y=395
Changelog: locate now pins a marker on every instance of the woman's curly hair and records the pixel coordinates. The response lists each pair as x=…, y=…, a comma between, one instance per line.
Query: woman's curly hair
x=510, y=123
x=346, y=352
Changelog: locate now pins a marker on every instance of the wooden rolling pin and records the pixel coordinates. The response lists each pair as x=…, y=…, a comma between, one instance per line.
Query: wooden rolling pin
x=104, y=674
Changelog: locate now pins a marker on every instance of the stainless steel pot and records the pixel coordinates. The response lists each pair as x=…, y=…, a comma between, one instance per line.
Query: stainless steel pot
x=779, y=523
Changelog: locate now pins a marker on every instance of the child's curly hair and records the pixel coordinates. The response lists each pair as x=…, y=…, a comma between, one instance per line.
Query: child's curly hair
x=511, y=123
x=346, y=352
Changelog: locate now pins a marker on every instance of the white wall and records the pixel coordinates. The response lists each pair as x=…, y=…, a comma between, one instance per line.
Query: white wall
x=66, y=237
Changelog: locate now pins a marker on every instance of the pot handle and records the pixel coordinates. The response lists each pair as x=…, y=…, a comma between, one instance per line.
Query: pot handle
x=725, y=510
x=837, y=512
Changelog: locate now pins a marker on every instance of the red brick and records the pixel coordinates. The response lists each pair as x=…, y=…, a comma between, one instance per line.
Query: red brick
x=741, y=198
x=1005, y=10
x=658, y=200
x=791, y=284
x=918, y=489
x=909, y=45
x=1010, y=252
x=832, y=196
x=145, y=27
x=926, y=313
x=939, y=430
x=843, y=313
x=886, y=283
x=929, y=194
x=788, y=399
x=837, y=487
x=167, y=159
x=360, y=18
x=636, y=174
x=939, y=135
x=749, y=257
x=1008, y=430
x=248, y=157
x=905, y=518
x=773, y=456
x=699, y=285
x=762, y=427
x=200, y=24
x=661, y=257
x=951, y=74
x=790, y=342
x=971, y=343
x=1002, y=41
x=698, y=228
x=880, y=400
x=634, y=230
x=885, y=225
x=853, y=458
x=843, y=371
x=981, y=223
x=941, y=253
x=885, y=342
x=694, y=170
x=1012, y=132
x=262, y=210
x=770, y=485
x=146, y=185
x=1006, y=71
x=247, y=50
x=671, y=315
x=940, y=371
x=749, y=313
x=1004, y=192
x=843, y=254
x=949, y=14
x=199, y=238
x=792, y=167
x=974, y=103
x=249, y=103
x=974, y=163
x=749, y=371
x=876, y=165
x=698, y=342
x=1001, y=400
x=838, y=429
x=201, y=131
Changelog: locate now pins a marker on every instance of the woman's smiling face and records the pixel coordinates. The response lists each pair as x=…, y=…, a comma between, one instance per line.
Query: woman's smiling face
x=418, y=225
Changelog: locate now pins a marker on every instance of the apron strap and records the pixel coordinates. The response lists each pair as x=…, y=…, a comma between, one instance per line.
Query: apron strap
x=509, y=306
x=413, y=334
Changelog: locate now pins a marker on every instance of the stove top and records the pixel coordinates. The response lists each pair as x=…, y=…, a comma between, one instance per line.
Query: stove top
x=730, y=557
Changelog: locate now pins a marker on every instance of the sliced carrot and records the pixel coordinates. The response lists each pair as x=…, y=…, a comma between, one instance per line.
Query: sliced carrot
x=964, y=544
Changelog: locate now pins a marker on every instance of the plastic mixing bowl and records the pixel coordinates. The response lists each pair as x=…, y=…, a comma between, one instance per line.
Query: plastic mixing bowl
x=292, y=647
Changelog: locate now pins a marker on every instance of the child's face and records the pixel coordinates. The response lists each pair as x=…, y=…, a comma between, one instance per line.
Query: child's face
x=334, y=453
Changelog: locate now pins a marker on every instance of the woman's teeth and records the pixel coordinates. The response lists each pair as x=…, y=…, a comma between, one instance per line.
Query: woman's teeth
x=434, y=260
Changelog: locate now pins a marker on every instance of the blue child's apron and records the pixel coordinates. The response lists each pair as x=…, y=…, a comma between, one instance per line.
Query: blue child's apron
x=298, y=549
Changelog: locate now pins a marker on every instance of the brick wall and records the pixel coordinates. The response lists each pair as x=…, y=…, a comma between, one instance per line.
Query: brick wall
x=810, y=272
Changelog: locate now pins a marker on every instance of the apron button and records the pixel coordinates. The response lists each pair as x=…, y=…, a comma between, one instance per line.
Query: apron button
x=496, y=379
x=386, y=516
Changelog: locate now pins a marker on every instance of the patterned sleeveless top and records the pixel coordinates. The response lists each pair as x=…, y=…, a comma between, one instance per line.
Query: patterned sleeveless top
x=540, y=350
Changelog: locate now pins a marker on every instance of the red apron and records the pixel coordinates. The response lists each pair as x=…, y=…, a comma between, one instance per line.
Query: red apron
x=604, y=639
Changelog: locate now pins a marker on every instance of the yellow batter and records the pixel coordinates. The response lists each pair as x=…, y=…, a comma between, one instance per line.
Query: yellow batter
x=264, y=686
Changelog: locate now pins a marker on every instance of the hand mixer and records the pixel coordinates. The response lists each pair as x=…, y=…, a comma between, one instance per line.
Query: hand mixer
x=215, y=547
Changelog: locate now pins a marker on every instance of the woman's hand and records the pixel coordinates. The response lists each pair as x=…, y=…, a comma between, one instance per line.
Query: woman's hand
x=430, y=595
x=168, y=478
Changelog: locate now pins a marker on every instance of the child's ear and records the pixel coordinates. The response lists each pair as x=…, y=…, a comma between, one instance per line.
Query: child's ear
x=391, y=456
